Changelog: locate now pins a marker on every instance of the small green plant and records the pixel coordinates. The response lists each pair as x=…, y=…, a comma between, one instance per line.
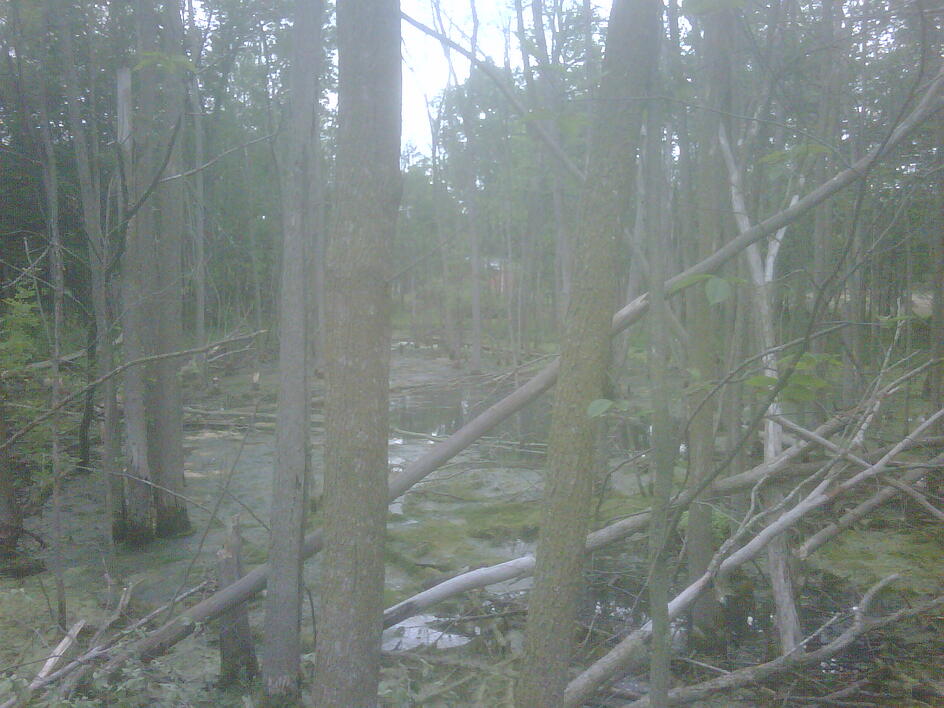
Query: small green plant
x=20, y=329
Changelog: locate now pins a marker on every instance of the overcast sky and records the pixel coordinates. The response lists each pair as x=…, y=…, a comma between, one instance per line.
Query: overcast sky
x=425, y=71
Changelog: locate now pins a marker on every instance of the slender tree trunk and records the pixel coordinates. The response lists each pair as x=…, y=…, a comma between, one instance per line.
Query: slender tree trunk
x=762, y=275
x=475, y=238
x=549, y=639
x=10, y=522
x=937, y=263
x=50, y=179
x=347, y=655
x=51, y=184
x=280, y=656
x=198, y=277
x=452, y=337
x=663, y=443
x=710, y=233
x=828, y=127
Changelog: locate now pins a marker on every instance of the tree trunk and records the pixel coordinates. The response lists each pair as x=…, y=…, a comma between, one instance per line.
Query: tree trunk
x=280, y=657
x=663, y=440
x=198, y=277
x=152, y=293
x=937, y=263
x=10, y=522
x=237, y=656
x=631, y=41
x=710, y=227
x=347, y=656
x=451, y=333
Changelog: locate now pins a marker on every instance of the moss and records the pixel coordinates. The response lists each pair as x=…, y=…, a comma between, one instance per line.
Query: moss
x=863, y=557
x=503, y=521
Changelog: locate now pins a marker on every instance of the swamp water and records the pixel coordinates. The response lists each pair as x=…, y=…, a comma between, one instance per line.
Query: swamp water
x=480, y=508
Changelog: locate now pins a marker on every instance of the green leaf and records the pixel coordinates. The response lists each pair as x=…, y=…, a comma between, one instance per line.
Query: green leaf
x=718, y=290
x=599, y=407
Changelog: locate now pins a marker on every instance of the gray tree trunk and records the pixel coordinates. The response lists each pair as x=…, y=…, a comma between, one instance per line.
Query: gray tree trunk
x=347, y=655
x=152, y=292
x=198, y=276
x=280, y=655
x=663, y=438
x=937, y=256
x=709, y=234
x=549, y=637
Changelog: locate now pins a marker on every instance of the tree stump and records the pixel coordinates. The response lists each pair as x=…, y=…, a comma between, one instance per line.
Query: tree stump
x=237, y=656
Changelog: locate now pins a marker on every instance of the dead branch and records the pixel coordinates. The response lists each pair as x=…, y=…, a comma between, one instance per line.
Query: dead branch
x=797, y=658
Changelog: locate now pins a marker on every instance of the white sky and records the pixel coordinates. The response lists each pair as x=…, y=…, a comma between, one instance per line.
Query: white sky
x=425, y=71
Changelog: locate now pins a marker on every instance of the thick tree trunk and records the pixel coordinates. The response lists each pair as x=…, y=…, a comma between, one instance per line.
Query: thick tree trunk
x=549, y=639
x=347, y=656
x=152, y=290
x=280, y=657
x=664, y=447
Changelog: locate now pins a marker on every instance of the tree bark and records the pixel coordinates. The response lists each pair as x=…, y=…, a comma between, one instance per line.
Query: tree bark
x=549, y=637
x=710, y=227
x=347, y=655
x=198, y=276
x=280, y=657
x=152, y=292
x=237, y=656
x=937, y=264
x=664, y=446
